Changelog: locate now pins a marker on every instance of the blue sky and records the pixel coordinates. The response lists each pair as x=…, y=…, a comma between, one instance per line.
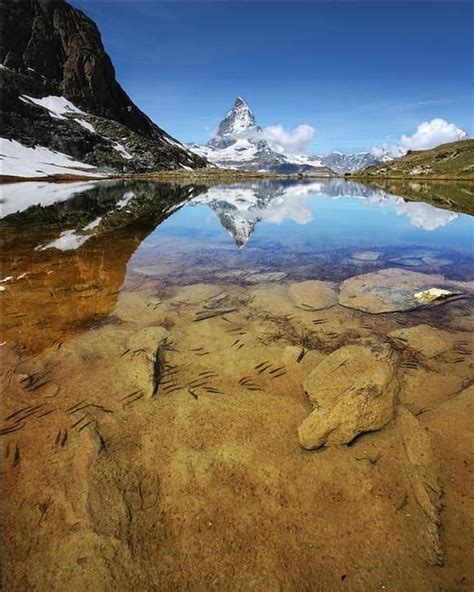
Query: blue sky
x=361, y=73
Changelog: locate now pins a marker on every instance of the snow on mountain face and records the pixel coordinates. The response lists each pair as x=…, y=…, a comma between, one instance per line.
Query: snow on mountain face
x=240, y=144
x=238, y=120
x=22, y=161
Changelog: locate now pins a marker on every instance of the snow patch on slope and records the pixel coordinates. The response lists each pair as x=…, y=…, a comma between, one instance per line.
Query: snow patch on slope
x=86, y=125
x=122, y=151
x=240, y=151
x=57, y=106
x=22, y=161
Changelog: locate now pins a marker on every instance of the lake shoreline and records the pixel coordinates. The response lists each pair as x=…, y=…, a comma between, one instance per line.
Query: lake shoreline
x=222, y=175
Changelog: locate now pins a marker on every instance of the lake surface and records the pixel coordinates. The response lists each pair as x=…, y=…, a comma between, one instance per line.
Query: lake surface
x=109, y=237
x=156, y=341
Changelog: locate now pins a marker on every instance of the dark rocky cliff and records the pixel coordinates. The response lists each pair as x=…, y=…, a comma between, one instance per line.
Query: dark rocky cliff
x=52, y=49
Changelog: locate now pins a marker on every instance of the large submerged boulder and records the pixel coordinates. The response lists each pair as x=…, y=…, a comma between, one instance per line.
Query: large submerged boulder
x=391, y=290
x=313, y=294
x=422, y=471
x=352, y=391
x=146, y=348
x=424, y=339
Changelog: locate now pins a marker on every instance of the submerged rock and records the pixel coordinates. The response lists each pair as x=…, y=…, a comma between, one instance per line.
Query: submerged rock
x=146, y=340
x=408, y=262
x=154, y=301
x=147, y=348
x=49, y=391
x=269, y=276
x=352, y=391
x=424, y=339
x=366, y=256
x=313, y=294
x=422, y=471
x=387, y=290
x=437, y=261
x=251, y=276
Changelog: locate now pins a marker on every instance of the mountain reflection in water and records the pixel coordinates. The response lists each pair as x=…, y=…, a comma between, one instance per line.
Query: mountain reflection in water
x=71, y=248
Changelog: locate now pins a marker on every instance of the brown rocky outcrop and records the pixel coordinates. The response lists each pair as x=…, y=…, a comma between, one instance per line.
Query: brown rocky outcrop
x=51, y=48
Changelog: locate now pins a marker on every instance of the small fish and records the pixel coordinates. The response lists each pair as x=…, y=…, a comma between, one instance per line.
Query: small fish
x=130, y=401
x=85, y=425
x=79, y=421
x=130, y=395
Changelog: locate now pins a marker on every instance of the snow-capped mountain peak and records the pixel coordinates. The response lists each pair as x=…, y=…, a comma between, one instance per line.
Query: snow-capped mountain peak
x=240, y=143
x=239, y=120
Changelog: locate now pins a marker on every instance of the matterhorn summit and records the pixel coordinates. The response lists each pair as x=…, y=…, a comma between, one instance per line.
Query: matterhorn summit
x=239, y=120
x=240, y=143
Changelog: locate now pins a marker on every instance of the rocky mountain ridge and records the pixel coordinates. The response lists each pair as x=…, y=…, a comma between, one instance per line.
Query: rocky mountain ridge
x=343, y=163
x=60, y=92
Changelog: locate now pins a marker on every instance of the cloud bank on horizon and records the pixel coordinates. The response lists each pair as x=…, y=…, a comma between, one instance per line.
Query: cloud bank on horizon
x=428, y=134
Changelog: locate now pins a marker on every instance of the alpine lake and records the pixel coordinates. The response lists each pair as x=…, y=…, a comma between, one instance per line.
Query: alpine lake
x=249, y=386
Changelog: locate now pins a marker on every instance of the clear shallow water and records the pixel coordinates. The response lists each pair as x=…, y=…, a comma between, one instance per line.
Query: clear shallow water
x=323, y=222
x=155, y=357
x=89, y=239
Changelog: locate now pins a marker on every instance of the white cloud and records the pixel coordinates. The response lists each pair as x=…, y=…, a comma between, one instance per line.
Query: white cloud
x=293, y=141
x=387, y=151
x=291, y=205
x=426, y=216
x=430, y=134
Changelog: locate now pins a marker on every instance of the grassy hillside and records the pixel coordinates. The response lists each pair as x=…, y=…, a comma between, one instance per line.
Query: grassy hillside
x=448, y=161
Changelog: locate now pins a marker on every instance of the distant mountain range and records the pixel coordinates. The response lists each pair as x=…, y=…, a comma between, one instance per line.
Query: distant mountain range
x=63, y=110
x=240, y=143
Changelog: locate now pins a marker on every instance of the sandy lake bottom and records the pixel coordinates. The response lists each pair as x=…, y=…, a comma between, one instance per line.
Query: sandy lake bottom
x=251, y=390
